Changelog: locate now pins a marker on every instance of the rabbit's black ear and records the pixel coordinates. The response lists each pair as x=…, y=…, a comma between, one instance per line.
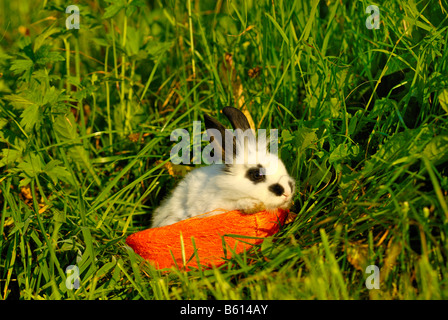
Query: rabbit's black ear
x=221, y=139
x=236, y=118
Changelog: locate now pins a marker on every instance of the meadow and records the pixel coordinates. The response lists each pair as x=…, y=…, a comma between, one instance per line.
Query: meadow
x=360, y=98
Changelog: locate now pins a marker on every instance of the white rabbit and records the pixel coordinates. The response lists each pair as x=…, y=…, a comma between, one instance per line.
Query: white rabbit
x=248, y=186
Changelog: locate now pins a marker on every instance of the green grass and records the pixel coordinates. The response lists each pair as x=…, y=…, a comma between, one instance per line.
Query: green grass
x=86, y=115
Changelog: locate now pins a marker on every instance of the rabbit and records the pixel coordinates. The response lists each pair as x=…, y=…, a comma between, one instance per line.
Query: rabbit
x=240, y=185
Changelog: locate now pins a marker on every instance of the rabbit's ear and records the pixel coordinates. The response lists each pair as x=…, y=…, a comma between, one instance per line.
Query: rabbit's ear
x=236, y=118
x=246, y=144
x=223, y=140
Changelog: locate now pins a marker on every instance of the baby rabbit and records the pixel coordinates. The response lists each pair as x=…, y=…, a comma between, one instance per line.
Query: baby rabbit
x=236, y=184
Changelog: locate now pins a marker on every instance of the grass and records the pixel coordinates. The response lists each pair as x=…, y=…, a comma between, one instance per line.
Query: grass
x=86, y=115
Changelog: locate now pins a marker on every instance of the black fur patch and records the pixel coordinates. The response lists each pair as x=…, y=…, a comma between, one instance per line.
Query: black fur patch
x=276, y=189
x=291, y=185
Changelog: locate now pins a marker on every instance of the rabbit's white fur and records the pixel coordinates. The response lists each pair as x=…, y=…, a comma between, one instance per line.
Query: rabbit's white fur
x=227, y=187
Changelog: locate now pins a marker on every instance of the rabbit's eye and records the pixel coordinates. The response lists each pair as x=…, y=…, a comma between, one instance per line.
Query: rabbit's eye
x=255, y=175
